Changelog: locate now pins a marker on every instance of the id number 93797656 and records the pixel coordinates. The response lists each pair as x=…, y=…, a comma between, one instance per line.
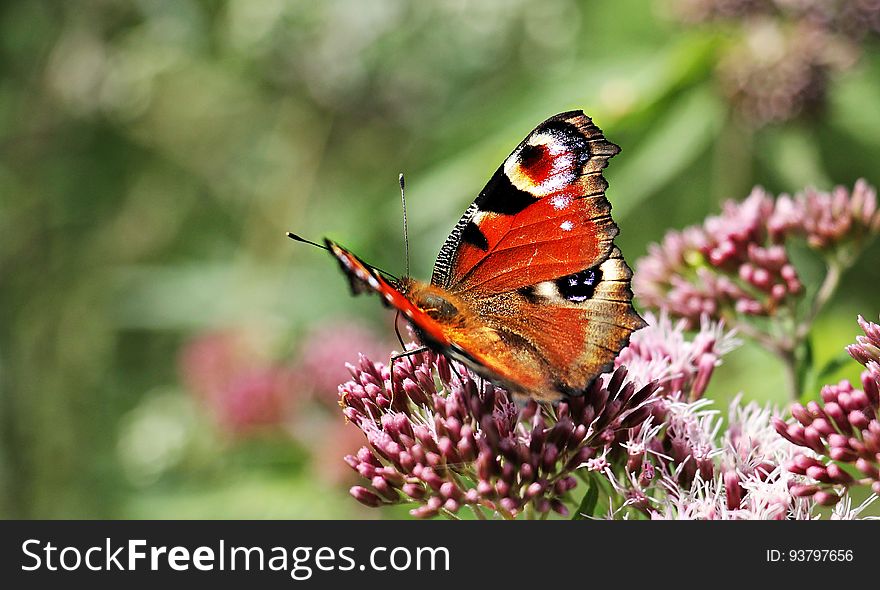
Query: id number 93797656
x=807, y=555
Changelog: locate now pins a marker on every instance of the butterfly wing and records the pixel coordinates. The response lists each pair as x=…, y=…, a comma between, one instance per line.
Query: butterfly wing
x=542, y=215
x=363, y=278
x=533, y=259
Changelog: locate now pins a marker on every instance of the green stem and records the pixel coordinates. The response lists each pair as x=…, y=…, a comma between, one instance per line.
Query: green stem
x=449, y=515
x=786, y=348
x=826, y=290
x=478, y=512
x=792, y=374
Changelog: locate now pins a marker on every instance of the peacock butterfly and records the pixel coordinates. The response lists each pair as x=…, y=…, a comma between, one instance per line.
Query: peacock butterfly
x=529, y=289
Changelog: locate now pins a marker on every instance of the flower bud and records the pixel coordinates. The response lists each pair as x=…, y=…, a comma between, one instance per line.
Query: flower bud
x=509, y=504
x=733, y=490
x=868, y=468
x=365, y=496
x=803, y=490
x=558, y=507
x=826, y=498
x=414, y=490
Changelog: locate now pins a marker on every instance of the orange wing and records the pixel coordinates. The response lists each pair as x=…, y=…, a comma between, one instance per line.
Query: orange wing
x=553, y=338
x=363, y=278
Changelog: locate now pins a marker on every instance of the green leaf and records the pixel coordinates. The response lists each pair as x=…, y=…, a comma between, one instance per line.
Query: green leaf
x=854, y=106
x=683, y=134
x=797, y=158
x=588, y=503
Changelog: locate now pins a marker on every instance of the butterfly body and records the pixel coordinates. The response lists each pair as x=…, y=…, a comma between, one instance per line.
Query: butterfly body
x=529, y=289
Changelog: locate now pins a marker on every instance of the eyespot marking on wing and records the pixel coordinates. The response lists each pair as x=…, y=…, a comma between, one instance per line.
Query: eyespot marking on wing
x=550, y=159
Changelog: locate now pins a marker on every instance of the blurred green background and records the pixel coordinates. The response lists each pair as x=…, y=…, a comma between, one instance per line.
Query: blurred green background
x=165, y=352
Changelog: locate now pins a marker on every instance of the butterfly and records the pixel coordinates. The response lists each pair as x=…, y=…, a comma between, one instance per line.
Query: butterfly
x=529, y=289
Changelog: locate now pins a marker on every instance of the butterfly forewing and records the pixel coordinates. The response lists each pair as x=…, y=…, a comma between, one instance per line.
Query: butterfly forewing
x=542, y=215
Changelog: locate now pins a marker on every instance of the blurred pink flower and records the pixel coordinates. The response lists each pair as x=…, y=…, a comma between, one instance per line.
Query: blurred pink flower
x=324, y=352
x=236, y=383
x=782, y=55
x=778, y=71
x=339, y=438
x=849, y=17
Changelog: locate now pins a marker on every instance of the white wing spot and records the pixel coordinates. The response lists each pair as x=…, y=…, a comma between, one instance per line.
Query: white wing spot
x=560, y=201
x=566, y=226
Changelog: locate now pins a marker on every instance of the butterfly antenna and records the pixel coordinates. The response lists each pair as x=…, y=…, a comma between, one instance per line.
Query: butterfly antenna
x=405, y=231
x=297, y=238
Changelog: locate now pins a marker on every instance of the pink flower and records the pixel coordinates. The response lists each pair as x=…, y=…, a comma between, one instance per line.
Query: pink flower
x=736, y=267
x=320, y=363
x=683, y=367
x=842, y=429
x=465, y=443
x=734, y=264
x=233, y=379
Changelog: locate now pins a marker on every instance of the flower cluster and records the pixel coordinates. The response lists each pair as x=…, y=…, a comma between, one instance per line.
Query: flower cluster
x=784, y=52
x=832, y=221
x=442, y=439
x=844, y=429
x=698, y=474
x=664, y=354
x=683, y=469
x=737, y=264
x=732, y=264
x=465, y=443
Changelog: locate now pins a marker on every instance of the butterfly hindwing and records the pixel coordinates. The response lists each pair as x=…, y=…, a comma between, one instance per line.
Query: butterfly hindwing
x=575, y=326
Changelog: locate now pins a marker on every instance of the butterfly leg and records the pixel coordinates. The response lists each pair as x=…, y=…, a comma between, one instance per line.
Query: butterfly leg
x=397, y=330
x=457, y=374
x=400, y=355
